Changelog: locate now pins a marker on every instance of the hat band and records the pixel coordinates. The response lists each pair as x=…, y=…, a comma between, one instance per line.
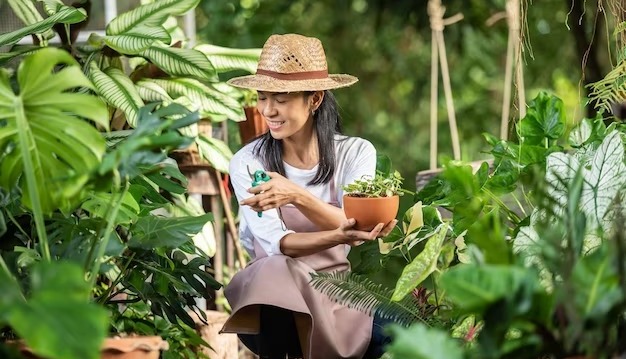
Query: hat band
x=306, y=75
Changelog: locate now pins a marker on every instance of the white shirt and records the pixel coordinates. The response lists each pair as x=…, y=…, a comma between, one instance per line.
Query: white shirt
x=355, y=158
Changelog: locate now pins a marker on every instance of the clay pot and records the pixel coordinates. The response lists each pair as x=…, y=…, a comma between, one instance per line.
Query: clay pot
x=368, y=212
x=254, y=125
x=133, y=348
x=141, y=347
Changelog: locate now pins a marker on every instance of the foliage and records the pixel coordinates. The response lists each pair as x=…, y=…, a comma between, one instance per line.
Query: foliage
x=378, y=186
x=387, y=45
x=142, y=59
x=80, y=227
x=541, y=298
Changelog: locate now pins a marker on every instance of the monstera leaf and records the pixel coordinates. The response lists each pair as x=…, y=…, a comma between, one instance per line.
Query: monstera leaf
x=49, y=148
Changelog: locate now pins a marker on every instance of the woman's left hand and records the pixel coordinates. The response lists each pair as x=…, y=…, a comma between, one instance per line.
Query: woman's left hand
x=276, y=192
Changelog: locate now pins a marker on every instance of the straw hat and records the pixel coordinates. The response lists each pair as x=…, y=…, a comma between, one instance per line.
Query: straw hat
x=292, y=63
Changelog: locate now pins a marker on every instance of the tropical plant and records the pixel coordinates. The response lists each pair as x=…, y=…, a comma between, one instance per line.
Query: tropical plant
x=494, y=232
x=80, y=232
x=142, y=59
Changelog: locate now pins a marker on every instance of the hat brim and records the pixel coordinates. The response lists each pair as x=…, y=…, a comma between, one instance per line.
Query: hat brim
x=271, y=84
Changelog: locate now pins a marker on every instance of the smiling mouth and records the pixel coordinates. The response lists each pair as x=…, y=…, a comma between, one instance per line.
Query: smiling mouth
x=275, y=124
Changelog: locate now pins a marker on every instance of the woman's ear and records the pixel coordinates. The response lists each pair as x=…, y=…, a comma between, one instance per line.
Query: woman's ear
x=316, y=100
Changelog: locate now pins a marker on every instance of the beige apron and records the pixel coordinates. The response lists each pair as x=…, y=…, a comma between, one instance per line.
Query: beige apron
x=326, y=329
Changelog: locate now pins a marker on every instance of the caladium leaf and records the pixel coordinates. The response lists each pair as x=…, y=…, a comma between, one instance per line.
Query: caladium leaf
x=604, y=174
x=422, y=265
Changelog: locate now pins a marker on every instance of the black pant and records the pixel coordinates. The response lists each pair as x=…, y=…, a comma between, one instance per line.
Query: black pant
x=278, y=336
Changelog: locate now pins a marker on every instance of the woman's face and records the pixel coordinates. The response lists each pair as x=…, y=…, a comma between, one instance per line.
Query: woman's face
x=287, y=114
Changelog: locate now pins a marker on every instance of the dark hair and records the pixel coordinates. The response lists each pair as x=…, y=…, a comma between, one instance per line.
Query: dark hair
x=326, y=123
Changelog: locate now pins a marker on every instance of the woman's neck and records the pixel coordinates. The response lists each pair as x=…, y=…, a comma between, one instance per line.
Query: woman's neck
x=301, y=152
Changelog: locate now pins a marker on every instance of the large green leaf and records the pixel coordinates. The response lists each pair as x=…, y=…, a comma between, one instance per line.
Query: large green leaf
x=58, y=321
x=596, y=275
x=152, y=232
x=153, y=14
x=212, y=102
x=99, y=205
x=66, y=15
x=55, y=149
x=422, y=265
x=420, y=342
x=137, y=39
x=17, y=51
x=473, y=287
x=118, y=90
x=180, y=62
x=544, y=121
x=226, y=59
x=214, y=151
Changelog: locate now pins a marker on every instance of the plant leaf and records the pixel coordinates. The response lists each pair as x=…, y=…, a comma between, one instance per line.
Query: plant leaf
x=215, y=151
x=225, y=59
x=153, y=14
x=28, y=13
x=118, y=90
x=422, y=265
x=152, y=232
x=420, y=342
x=473, y=288
x=181, y=62
x=137, y=39
x=66, y=15
x=44, y=120
x=212, y=102
x=47, y=321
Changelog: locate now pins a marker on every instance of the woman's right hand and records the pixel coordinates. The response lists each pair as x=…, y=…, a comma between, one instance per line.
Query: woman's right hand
x=355, y=237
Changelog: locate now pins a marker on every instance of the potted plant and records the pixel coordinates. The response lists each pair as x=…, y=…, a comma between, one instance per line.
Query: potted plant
x=373, y=200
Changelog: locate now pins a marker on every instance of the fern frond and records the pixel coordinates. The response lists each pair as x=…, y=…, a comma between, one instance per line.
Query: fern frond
x=611, y=89
x=360, y=293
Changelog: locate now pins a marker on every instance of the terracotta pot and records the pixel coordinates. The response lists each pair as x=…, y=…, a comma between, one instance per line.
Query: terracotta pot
x=141, y=347
x=254, y=125
x=223, y=345
x=368, y=212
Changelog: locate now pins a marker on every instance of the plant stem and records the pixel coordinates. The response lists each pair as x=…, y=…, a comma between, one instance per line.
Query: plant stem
x=4, y=266
x=107, y=234
x=25, y=140
x=14, y=221
x=107, y=293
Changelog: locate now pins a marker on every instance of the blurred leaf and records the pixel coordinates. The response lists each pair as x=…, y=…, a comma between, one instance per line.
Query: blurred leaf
x=153, y=232
x=420, y=342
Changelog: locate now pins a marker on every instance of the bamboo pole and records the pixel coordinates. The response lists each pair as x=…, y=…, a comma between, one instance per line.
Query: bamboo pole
x=230, y=221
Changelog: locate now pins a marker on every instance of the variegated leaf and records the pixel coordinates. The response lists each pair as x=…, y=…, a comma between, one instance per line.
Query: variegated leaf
x=422, y=265
x=181, y=62
x=118, y=90
x=213, y=103
x=226, y=59
x=153, y=14
x=137, y=39
x=66, y=15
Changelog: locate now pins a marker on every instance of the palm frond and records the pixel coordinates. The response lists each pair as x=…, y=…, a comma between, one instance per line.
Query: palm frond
x=360, y=293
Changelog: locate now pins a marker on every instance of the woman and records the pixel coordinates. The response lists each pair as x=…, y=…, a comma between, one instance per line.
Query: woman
x=293, y=224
